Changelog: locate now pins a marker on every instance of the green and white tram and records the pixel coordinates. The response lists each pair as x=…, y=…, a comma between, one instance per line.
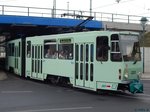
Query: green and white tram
x=15, y=56
x=94, y=60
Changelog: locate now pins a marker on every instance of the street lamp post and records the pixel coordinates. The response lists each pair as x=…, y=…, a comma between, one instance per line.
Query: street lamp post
x=143, y=21
x=54, y=9
x=68, y=7
x=90, y=7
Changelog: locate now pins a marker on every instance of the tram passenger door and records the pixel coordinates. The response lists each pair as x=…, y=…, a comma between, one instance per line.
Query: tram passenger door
x=36, y=65
x=84, y=56
x=17, y=59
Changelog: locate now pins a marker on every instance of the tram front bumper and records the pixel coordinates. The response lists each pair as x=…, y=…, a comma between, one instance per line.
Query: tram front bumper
x=136, y=87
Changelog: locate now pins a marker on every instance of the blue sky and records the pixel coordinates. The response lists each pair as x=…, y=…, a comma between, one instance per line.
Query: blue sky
x=131, y=7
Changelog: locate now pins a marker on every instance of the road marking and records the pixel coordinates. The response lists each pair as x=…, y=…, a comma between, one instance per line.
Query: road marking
x=145, y=95
x=55, y=109
x=16, y=91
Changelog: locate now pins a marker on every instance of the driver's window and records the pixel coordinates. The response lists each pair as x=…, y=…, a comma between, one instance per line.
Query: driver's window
x=115, y=49
x=136, y=51
x=102, y=48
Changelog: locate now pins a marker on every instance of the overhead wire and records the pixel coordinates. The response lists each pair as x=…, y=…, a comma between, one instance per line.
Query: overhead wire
x=117, y=2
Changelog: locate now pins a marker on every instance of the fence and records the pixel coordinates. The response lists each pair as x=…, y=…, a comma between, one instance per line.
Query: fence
x=63, y=13
x=73, y=14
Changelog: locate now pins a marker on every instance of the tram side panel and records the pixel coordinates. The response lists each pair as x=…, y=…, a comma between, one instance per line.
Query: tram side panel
x=85, y=69
x=91, y=71
x=106, y=71
x=14, y=55
x=58, y=57
x=41, y=66
x=33, y=58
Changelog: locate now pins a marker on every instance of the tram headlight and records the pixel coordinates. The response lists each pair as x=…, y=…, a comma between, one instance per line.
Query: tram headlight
x=139, y=75
x=126, y=76
x=126, y=73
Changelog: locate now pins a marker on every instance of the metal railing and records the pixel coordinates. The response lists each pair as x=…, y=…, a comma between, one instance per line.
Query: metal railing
x=62, y=13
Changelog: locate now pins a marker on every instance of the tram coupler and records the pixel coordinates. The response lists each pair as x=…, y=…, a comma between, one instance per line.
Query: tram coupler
x=136, y=87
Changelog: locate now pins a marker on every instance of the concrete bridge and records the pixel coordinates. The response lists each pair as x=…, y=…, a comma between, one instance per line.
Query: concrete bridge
x=124, y=26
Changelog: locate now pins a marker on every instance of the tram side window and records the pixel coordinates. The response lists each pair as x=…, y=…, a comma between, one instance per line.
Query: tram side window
x=28, y=49
x=115, y=50
x=102, y=48
x=50, y=49
x=65, y=51
x=11, y=49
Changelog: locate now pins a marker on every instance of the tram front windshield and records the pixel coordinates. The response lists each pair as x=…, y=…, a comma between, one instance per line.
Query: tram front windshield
x=130, y=48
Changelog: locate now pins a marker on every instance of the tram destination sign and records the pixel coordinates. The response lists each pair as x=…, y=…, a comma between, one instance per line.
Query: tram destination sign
x=67, y=40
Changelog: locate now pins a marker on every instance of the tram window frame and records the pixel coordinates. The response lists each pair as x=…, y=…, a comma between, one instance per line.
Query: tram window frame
x=102, y=47
x=87, y=52
x=91, y=72
x=51, y=47
x=91, y=52
x=77, y=52
x=19, y=49
x=28, y=49
x=13, y=49
x=65, y=51
x=9, y=49
x=115, y=54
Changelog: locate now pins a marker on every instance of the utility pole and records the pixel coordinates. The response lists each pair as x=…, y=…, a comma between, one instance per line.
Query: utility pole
x=54, y=9
x=143, y=21
x=90, y=7
x=68, y=7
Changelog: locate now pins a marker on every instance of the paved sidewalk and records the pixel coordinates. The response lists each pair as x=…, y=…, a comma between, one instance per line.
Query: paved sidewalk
x=146, y=76
x=3, y=75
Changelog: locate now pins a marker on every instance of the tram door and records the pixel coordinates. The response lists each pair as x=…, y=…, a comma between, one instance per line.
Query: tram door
x=36, y=65
x=17, y=59
x=84, y=56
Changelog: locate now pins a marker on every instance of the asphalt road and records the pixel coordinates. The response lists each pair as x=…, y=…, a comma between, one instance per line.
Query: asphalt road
x=20, y=95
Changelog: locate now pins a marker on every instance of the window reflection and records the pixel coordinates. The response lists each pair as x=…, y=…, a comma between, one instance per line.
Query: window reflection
x=65, y=51
x=50, y=49
x=102, y=48
x=115, y=49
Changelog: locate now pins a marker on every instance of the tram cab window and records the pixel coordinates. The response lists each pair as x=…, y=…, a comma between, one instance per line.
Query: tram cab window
x=115, y=49
x=50, y=51
x=28, y=49
x=102, y=48
x=65, y=51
